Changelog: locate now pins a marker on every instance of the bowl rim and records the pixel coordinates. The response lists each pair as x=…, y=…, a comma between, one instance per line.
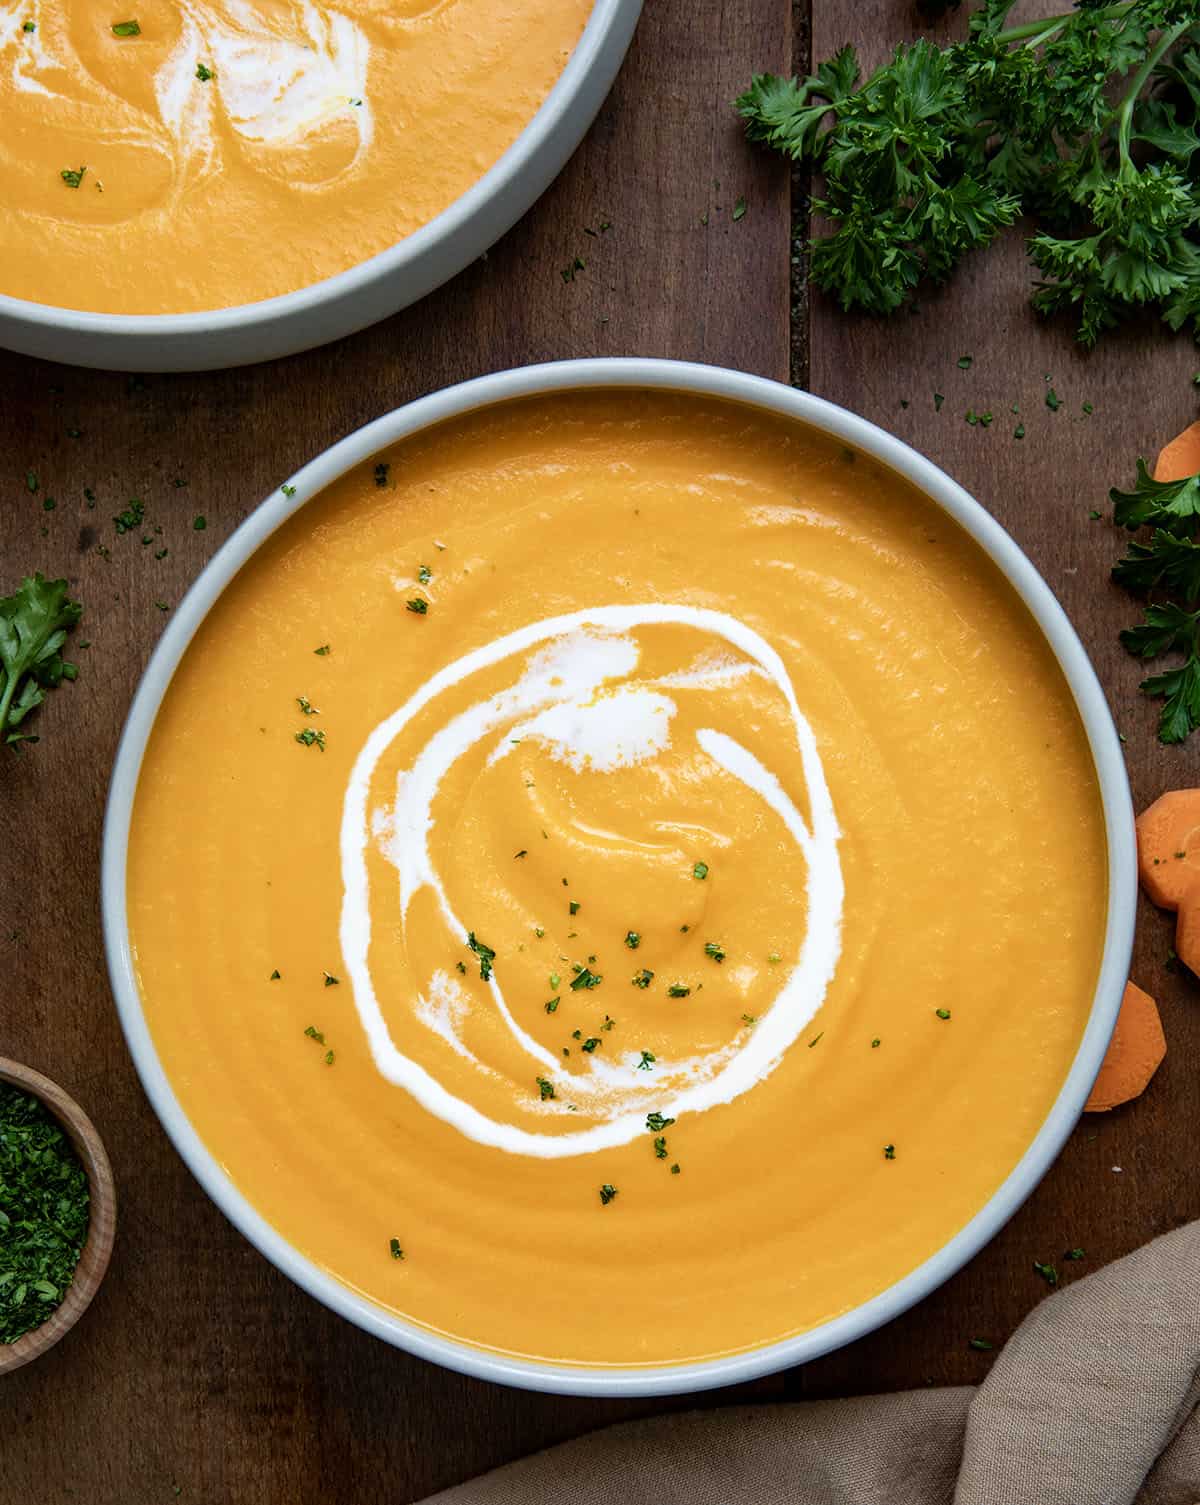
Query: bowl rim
x=393, y=260
x=92, y=1265
x=633, y=373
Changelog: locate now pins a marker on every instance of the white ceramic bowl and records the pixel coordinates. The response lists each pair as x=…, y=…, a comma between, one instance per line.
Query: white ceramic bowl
x=1110, y=769
x=364, y=293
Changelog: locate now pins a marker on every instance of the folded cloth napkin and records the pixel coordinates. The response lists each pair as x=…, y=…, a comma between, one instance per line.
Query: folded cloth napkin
x=1092, y=1402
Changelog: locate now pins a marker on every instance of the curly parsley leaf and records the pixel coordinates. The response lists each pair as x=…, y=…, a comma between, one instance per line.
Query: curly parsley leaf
x=1168, y=563
x=1166, y=504
x=34, y=623
x=1167, y=629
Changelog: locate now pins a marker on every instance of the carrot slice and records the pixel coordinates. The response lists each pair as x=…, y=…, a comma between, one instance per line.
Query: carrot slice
x=1180, y=458
x=1168, y=837
x=1187, y=934
x=1134, y=1055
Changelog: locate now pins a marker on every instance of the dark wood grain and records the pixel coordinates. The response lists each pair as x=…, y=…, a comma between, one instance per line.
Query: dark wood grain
x=199, y=1366
x=1043, y=489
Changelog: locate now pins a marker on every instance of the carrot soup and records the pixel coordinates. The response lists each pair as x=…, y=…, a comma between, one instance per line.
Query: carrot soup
x=190, y=155
x=618, y=879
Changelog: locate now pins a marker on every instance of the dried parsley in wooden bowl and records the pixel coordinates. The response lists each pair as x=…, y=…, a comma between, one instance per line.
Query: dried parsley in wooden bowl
x=57, y=1213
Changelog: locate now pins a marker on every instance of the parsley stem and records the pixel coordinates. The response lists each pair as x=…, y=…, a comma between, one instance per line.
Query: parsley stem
x=10, y=689
x=1055, y=23
x=1124, y=111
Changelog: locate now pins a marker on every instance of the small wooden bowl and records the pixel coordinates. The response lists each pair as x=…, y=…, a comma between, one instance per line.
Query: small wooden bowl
x=93, y=1262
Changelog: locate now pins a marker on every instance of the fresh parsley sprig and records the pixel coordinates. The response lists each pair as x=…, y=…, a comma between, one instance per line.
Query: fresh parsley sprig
x=1087, y=120
x=1167, y=566
x=34, y=623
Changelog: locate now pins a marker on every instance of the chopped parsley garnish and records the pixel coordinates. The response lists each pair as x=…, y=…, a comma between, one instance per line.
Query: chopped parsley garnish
x=329, y=1058
x=424, y=575
x=545, y=1087
x=44, y=1213
x=586, y=978
x=485, y=954
x=816, y=1039
x=127, y=521
x=418, y=605
x=700, y=871
x=311, y=738
x=942, y=1013
x=28, y=26
x=632, y=939
x=199, y=523
x=204, y=73
x=590, y=1044
x=739, y=210
x=288, y=490
x=875, y=1043
x=657, y=1122
x=965, y=362
x=524, y=852
x=126, y=29
x=647, y=1061
x=323, y=651
x=678, y=990
x=1053, y=400
x=981, y=1345
x=1048, y=1273
x=660, y=1147
x=462, y=967
x=573, y=906
x=314, y=1033
x=1074, y=1254
x=553, y=1005
x=72, y=176
x=675, y=1169
x=381, y=471
x=716, y=952
x=330, y=980
x=607, y=1193
x=307, y=706
x=394, y=1246
x=275, y=976
x=889, y=1152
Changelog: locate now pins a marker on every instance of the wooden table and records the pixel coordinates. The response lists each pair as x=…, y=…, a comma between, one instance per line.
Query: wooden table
x=202, y=1374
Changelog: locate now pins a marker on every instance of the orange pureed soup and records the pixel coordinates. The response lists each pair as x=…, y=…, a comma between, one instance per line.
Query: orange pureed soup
x=197, y=154
x=629, y=854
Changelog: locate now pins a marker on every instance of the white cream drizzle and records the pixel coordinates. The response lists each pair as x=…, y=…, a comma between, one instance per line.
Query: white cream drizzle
x=275, y=82
x=566, y=698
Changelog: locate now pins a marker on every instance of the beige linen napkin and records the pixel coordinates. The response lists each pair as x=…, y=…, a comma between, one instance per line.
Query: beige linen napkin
x=1092, y=1402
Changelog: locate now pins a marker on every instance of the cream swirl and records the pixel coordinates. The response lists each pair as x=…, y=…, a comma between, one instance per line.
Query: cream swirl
x=579, y=698
x=285, y=87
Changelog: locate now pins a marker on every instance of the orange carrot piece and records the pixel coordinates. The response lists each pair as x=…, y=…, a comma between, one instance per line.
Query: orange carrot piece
x=1187, y=934
x=1168, y=837
x=1180, y=458
x=1134, y=1055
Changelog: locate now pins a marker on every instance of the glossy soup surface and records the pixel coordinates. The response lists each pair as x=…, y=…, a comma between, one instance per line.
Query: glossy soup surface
x=232, y=150
x=765, y=793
